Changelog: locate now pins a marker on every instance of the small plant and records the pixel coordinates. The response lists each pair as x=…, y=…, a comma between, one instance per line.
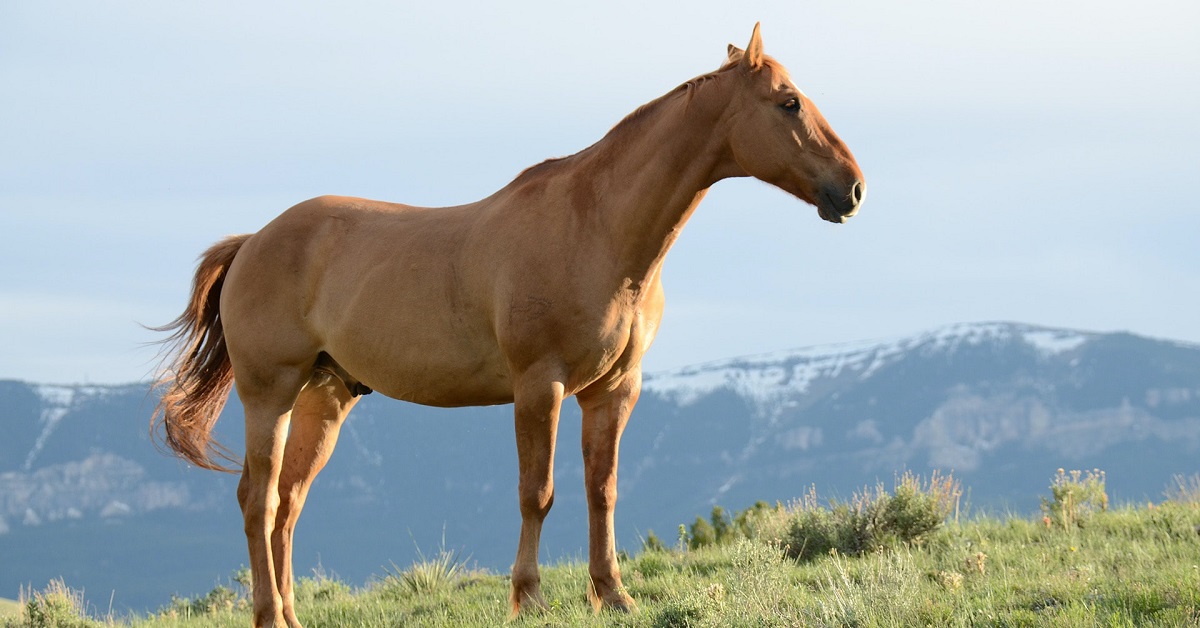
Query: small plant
x=1185, y=490
x=221, y=599
x=948, y=580
x=320, y=587
x=757, y=521
x=1075, y=497
x=855, y=589
x=652, y=564
x=702, y=533
x=976, y=563
x=56, y=606
x=243, y=579
x=430, y=575
x=652, y=543
x=721, y=528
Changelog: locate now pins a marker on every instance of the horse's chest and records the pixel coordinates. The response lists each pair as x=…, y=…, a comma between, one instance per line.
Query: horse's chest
x=586, y=336
x=617, y=347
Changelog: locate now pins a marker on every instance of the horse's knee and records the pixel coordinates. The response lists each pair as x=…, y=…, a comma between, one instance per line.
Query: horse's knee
x=603, y=496
x=536, y=500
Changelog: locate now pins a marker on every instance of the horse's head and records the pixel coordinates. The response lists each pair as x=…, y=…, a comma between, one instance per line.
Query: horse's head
x=778, y=135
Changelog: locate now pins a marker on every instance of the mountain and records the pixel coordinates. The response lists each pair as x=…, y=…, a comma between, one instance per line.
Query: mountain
x=86, y=495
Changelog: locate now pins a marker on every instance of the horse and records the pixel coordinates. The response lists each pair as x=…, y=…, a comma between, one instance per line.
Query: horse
x=549, y=288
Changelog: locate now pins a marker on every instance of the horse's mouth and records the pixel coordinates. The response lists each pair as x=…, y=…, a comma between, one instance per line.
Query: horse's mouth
x=833, y=215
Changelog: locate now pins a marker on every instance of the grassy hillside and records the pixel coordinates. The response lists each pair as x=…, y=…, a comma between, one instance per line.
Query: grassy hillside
x=1082, y=564
x=9, y=607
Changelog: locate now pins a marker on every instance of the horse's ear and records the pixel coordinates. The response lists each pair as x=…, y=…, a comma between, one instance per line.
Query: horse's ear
x=753, y=57
x=735, y=53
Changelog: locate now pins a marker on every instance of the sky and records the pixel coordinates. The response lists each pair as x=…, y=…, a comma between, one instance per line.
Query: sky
x=1025, y=160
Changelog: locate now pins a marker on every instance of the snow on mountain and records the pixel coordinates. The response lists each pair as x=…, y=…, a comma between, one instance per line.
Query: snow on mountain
x=57, y=402
x=768, y=377
x=69, y=458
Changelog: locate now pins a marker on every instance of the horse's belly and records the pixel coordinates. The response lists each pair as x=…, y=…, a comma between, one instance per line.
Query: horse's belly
x=434, y=374
x=434, y=393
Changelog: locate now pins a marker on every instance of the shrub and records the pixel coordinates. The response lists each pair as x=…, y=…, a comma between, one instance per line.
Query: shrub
x=57, y=606
x=320, y=587
x=758, y=521
x=722, y=529
x=701, y=534
x=220, y=599
x=816, y=531
x=872, y=519
x=652, y=564
x=1075, y=496
x=917, y=508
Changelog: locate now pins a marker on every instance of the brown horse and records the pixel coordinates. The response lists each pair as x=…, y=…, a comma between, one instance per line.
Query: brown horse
x=548, y=288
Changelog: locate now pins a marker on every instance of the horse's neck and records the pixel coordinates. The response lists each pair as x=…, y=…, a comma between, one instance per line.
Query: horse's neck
x=650, y=178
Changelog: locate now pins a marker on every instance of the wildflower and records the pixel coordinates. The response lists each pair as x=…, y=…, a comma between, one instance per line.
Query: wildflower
x=977, y=563
x=950, y=580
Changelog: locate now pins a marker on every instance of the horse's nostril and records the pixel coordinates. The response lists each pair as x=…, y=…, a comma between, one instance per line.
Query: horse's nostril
x=856, y=192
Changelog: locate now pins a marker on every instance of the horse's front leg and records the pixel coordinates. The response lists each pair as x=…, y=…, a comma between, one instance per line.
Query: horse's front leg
x=536, y=408
x=605, y=414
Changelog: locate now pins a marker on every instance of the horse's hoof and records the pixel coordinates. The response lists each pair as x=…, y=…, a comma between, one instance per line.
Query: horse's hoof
x=528, y=602
x=613, y=599
x=623, y=604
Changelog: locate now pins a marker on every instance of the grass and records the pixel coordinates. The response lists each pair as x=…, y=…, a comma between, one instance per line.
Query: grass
x=1119, y=566
x=9, y=608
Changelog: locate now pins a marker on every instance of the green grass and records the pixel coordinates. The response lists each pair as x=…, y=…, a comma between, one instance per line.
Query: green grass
x=9, y=607
x=1128, y=566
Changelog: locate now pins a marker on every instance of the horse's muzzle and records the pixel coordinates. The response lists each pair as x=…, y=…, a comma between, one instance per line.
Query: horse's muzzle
x=838, y=204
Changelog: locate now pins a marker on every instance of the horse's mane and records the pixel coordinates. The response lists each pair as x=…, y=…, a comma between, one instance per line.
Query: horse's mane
x=685, y=92
x=688, y=89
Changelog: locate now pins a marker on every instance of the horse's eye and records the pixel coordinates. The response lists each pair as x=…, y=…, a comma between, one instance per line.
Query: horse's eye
x=791, y=105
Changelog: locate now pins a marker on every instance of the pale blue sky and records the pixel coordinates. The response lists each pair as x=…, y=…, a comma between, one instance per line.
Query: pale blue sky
x=1025, y=161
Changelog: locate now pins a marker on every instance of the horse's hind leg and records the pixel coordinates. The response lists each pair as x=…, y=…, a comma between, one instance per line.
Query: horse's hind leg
x=268, y=402
x=316, y=420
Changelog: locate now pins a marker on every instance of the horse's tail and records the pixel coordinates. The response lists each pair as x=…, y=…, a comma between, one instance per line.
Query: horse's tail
x=196, y=375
